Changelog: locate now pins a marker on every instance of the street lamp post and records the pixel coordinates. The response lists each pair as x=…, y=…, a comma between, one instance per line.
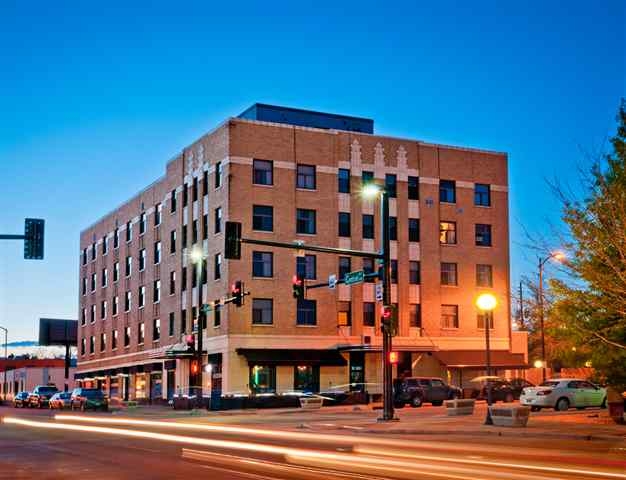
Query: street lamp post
x=197, y=256
x=486, y=302
x=4, y=373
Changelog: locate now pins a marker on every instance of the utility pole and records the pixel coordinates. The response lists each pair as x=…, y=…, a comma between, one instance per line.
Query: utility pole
x=199, y=320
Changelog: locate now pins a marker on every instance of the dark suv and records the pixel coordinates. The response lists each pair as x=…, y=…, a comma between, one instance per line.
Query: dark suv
x=41, y=395
x=415, y=391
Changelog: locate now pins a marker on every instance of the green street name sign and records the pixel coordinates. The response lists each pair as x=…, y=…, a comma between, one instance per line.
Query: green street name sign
x=354, y=277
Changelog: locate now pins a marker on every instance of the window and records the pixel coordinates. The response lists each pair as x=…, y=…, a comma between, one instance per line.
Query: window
x=368, y=226
x=394, y=271
x=142, y=223
x=366, y=177
x=93, y=251
x=480, y=320
x=84, y=256
x=413, y=186
x=218, y=174
x=83, y=345
x=103, y=342
x=116, y=271
x=194, y=189
x=262, y=172
x=343, y=180
x=217, y=274
x=84, y=286
x=305, y=221
x=129, y=266
x=129, y=231
x=142, y=297
x=194, y=232
x=105, y=245
x=306, y=267
x=93, y=314
x=126, y=336
x=156, y=329
x=414, y=273
x=128, y=300
x=173, y=201
x=447, y=233
x=262, y=264
x=263, y=378
x=141, y=333
x=449, y=316
x=170, y=328
x=185, y=194
x=83, y=316
x=103, y=309
x=307, y=312
x=92, y=344
x=205, y=226
x=414, y=230
x=157, y=214
x=183, y=321
x=448, y=273
x=156, y=291
x=262, y=218
x=113, y=339
x=391, y=185
x=218, y=219
x=116, y=238
x=262, y=311
x=344, y=314
x=172, y=282
x=157, y=253
x=483, y=235
x=183, y=283
x=184, y=236
x=116, y=305
x=306, y=378
x=447, y=191
x=482, y=195
x=368, y=267
x=205, y=182
x=93, y=282
x=484, y=276
x=173, y=241
x=142, y=259
x=415, y=315
x=306, y=177
x=369, y=314
x=344, y=266
x=393, y=228
x=344, y=224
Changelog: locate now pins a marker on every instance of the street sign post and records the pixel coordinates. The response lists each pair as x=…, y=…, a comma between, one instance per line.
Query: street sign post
x=332, y=281
x=354, y=277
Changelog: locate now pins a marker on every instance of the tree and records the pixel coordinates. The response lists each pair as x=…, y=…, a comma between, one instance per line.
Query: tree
x=592, y=306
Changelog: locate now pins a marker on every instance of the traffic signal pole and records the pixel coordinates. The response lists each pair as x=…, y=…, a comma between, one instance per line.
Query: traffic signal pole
x=385, y=326
x=199, y=317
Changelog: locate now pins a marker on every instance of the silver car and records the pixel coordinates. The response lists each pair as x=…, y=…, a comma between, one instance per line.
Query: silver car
x=563, y=393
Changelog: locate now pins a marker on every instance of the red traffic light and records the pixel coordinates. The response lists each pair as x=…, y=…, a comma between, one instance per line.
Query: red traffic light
x=393, y=358
x=194, y=367
x=190, y=340
x=386, y=312
x=297, y=280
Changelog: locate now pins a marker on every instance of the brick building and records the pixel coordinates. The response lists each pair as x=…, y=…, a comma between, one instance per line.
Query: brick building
x=286, y=175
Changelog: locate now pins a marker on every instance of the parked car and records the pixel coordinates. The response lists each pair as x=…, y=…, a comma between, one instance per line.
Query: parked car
x=563, y=393
x=41, y=395
x=416, y=391
x=21, y=400
x=88, y=398
x=60, y=400
x=501, y=390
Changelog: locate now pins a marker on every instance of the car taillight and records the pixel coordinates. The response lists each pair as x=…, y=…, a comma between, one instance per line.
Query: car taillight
x=544, y=392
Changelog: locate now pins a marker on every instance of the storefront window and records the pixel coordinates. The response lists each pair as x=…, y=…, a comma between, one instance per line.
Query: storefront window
x=140, y=386
x=156, y=386
x=263, y=379
x=114, y=391
x=306, y=378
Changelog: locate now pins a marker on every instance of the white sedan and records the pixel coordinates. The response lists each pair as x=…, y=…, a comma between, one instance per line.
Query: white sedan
x=563, y=393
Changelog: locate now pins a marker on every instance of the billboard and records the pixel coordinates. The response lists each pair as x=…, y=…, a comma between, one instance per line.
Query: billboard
x=54, y=331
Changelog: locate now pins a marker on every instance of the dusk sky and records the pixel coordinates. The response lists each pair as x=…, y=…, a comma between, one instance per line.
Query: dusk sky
x=96, y=98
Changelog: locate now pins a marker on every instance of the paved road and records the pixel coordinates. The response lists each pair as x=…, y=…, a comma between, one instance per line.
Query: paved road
x=34, y=444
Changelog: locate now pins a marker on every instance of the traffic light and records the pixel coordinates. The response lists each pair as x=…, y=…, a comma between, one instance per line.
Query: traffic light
x=33, y=241
x=194, y=367
x=232, y=238
x=236, y=291
x=190, y=341
x=298, y=286
x=393, y=358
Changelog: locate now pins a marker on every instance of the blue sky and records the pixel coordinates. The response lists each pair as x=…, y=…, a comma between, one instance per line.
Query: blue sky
x=89, y=91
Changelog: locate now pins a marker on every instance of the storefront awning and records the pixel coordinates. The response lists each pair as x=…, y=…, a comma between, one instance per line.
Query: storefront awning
x=266, y=356
x=477, y=359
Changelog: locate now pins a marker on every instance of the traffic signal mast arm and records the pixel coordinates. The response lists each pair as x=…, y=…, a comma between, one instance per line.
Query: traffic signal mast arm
x=342, y=281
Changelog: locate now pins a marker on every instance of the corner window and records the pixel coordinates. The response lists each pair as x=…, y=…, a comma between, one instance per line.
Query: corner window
x=262, y=172
x=447, y=191
x=306, y=177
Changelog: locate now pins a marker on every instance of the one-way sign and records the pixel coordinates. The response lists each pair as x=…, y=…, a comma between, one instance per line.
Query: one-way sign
x=332, y=281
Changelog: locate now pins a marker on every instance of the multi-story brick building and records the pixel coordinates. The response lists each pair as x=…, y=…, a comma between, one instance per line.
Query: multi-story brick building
x=287, y=175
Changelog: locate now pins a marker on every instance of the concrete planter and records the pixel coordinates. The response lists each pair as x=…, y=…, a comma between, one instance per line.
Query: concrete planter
x=459, y=406
x=509, y=416
x=311, y=403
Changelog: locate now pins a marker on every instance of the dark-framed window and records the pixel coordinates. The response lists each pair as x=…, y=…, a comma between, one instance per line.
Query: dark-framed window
x=449, y=273
x=141, y=333
x=307, y=312
x=142, y=223
x=205, y=182
x=183, y=279
x=113, y=339
x=141, y=297
x=305, y=176
x=172, y=282
x=105, y=245
x=218, y=220
x=345, y=264
x=413, y=188
x=305, y=221
x=194, y=232
x=369, y=314
x=367, y=177
x=391, y=185
x=484, y=275
x=447, y=191
x=116, y=238
x=205, y=226
x=368, y=226
x=483, y=235
x=480, y=320
x=368, y=267
x=449, y=316
x=263, y=218
x=306, y=378
x=183, y=239
x=170, y=327
x=344, y=314
x=173, y=201
x=307, y=266
x=415, y=315
x=142, y=259
x=173, y=241
x=218, y=174
x=156, y=291
x=217, y=315
x=262, y=311
x=262, y=172
x=344, y=224
x=157, y=253
x=393, y=228
x=394, y=271
x=414, y=230
x=183, y=321
x=185, y=194
x=482, y=194
x=156, y=329
x=92, y=344
x=262, y=378
x=194, y=189
x=343, y=180
x=262, y=264
x=129, y=266
x=447, y=233
x=129, y=231
x=217, y=266
x=414, y=272
x=158, y=209
x=126, y=336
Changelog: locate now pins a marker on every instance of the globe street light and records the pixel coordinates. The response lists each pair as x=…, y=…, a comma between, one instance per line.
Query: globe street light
x=486, y=302
x=197, y=256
